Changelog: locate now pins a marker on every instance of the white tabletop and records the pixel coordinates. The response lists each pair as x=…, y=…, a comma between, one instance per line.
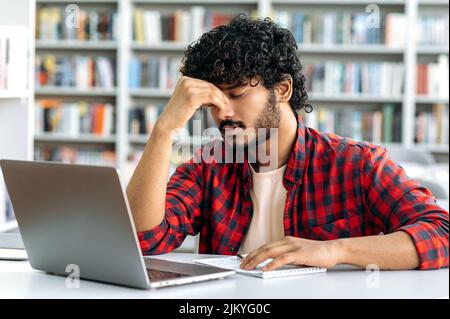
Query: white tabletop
x=19, y=280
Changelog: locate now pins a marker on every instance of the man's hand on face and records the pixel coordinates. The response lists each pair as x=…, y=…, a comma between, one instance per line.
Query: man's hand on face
x=189, y=95
x=294, y=251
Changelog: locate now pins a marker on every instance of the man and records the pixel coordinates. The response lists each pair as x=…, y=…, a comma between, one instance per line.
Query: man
x=329, y=200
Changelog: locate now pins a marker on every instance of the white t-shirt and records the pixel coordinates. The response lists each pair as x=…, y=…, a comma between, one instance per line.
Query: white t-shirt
x=269, y=197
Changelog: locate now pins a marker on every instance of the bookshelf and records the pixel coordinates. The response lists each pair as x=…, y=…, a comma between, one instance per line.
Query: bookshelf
x=124, y=48
x=16, y=99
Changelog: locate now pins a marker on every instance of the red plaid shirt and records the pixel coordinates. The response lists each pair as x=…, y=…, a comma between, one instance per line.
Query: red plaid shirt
x=336, y=188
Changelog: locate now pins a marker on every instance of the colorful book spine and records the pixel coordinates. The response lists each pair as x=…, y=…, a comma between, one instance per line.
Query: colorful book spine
x=143, y=119
x=432, y=29
x=92, y=25
x=432, y=127
x=183, y=26
x=375, y=126
x=352, y=78
x=73, y=155
x=153, y=72
x=81, y=72
x=74, y=119
x=330, y=28
x=433, y=78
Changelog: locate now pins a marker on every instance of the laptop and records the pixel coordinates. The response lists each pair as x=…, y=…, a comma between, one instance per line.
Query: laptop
x=78, y=216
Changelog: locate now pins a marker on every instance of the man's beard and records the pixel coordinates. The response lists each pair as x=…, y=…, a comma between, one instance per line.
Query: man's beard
x=267, y=120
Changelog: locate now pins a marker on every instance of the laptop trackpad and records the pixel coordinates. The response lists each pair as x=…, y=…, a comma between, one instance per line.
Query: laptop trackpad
x=159, y=275
x=182, y=269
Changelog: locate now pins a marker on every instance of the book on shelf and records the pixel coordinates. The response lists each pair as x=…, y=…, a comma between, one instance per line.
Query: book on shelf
x=432, y=127
x=13, y=58
x=75, y=118
x=142, y=119
x=182, y=26
x=329, y=28
x=343, y=28
x=395, y=29
x=76, y=155
x=153, y=72
x=433, y=78
x=375, y=126
x=81, y=72
x=383, y=79
x=54, y=23
x=432, y=29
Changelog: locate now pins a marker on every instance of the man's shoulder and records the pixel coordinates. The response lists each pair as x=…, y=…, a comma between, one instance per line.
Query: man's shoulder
x=331, y=145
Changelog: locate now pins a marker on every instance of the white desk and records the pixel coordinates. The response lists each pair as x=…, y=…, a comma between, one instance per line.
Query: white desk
x=19, y=280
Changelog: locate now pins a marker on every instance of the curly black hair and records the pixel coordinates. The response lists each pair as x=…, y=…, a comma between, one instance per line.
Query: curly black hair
x=245, y=49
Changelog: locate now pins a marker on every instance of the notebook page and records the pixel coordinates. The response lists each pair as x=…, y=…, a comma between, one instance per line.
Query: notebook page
x=233, y=263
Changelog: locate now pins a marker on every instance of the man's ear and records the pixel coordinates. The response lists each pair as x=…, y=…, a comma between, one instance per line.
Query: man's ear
x=284, y=88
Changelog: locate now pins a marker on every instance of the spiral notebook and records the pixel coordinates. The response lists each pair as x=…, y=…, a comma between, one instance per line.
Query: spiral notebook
x=233, y=263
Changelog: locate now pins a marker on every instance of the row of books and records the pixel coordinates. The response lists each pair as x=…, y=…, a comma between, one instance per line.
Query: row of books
x=75, y=155
x=74, y=119
x=143, y=119
x=184, y=26
x=432, y=30
x=330, y=77
x=329, y=27
x=77, y=71
x=433, y=127
x=56, y=23
x=361, y=28
x=373, y=78
x=13, y=57
x=153, y=72
x=376, y=126
x=433, y=78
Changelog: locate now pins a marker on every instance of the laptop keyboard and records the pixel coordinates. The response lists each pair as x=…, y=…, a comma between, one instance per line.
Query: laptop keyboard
x=158, y=275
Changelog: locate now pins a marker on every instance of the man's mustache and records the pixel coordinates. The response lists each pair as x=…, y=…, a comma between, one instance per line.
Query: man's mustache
x=232, y=123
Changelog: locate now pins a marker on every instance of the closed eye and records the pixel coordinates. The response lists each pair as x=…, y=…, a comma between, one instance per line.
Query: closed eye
x=234, y=96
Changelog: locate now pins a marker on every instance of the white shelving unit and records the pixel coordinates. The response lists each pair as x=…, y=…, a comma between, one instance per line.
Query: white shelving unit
x=124, y=48
x=16, y=107
x=76, y=45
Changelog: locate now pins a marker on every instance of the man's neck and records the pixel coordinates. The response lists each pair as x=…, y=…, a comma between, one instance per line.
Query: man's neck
x=286, y=137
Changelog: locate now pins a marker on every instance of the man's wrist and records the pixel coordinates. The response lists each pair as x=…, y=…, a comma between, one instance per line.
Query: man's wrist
x=160, y=130
x=340, y=250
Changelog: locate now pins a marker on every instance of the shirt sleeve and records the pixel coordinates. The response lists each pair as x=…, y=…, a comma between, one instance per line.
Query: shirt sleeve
x=397, y=203
x=182, y=212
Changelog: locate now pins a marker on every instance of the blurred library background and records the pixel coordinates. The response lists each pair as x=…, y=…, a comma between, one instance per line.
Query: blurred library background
x=92, y=94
